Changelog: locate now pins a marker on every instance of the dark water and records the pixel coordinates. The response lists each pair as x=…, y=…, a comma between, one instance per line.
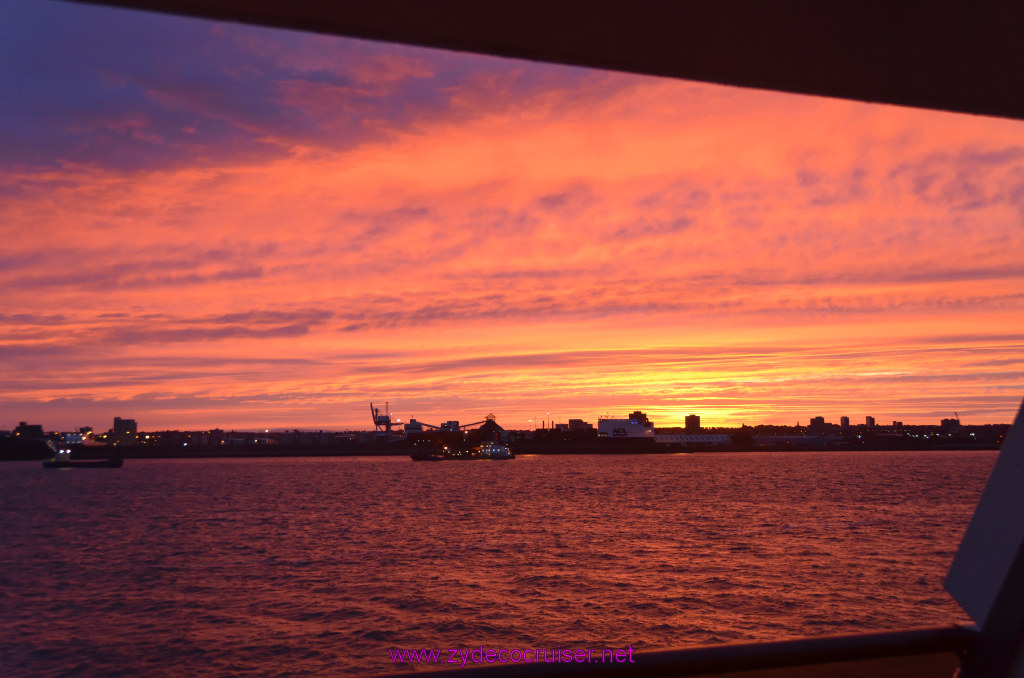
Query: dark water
x=282, y=567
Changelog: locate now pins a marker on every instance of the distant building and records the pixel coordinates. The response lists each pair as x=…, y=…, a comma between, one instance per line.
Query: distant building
x=897, y=425
x=950, y=425
x=817, y=426
x=693, y=423
x=641, y=418
x=29, y=431
x=200, y=438
x=413, y=426
x=580, y=425
x=125, y=431
x=844, y=423
x=869, y=422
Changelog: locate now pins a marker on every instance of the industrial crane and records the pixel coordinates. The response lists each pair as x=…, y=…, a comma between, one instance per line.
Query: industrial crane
x=381, y=422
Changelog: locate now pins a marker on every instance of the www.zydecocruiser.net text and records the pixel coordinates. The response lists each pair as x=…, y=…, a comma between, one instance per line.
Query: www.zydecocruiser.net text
x=463, y=657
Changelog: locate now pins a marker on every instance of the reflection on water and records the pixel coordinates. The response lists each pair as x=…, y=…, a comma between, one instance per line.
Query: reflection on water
x=317, y=566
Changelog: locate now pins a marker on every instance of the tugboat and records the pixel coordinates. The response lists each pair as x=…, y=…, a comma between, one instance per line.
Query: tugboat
x=62, y=459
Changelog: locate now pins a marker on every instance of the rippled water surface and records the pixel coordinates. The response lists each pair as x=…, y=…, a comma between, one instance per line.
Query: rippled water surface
x=280, y=567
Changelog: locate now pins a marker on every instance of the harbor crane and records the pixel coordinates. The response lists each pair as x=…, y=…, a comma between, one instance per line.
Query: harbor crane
x=381, y=421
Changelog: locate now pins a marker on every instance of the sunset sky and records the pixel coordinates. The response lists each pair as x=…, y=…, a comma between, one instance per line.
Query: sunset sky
x=206, y=224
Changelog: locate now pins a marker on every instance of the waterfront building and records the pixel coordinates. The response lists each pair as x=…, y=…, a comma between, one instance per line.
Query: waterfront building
x=28, y=431
x=693, y=423
x=413, y=426
x=125, y=431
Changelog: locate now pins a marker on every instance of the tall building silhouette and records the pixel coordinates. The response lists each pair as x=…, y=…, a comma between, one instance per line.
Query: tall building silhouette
x=124, y=431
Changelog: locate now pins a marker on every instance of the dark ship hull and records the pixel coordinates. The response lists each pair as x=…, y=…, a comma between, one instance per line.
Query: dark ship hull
x=83, y=463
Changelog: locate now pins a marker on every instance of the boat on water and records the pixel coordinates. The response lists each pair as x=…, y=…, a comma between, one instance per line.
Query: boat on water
x=493, y=450
x=488, y=450
x=62, y=459
x=427, y=455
